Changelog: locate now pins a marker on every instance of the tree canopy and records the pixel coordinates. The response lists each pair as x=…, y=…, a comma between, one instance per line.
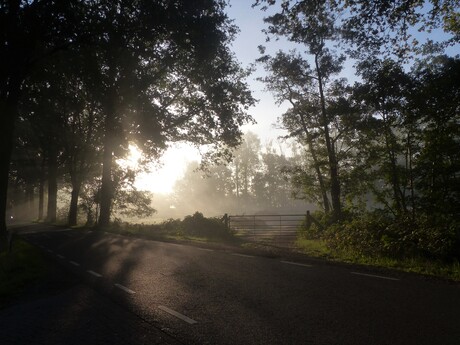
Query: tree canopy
x=151, y=72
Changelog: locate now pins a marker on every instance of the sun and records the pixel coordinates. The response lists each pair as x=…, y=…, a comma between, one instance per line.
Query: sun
x=161, y=177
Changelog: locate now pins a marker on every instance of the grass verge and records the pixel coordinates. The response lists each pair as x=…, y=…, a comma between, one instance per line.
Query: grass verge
x=20, y=268
x=319, y=248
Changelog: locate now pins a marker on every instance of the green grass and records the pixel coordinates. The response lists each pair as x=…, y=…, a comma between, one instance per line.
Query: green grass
x=319, y=248
x=315, y=248
x=20, y=268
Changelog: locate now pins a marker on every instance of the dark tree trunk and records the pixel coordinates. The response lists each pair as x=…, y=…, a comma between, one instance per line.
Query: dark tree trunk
x=8, y=115
x=390, y=144
x=30, y=197
x=73, y=210
x=322, y=185
x=106, y=188
x=52, y=186
x=107, y=161
x=333, y=165
x=10, y=82
x=41, y=191
x=89, y=217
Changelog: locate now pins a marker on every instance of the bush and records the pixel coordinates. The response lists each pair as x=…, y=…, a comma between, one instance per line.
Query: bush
x=198, y=225
x=314, y=231
x=378, y=234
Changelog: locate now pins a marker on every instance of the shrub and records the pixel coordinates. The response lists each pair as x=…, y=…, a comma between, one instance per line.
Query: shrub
x=378, y=234
x=312, y=231
x=198, y=225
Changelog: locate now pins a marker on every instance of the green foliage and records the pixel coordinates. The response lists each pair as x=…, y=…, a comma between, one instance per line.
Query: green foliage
x=198, y=225
x=377, y=234
x=193, y=226
x=315, y=230
x=382, y=27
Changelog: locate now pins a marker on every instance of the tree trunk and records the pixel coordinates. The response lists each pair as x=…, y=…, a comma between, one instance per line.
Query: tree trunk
x=73, y=210
x=316, y=164
x=333, y=165
x=30, y=197
x=106, y=188
x=52, y=186
x=8, y=115
x=398, y=197
x=107, y=161
x=41, y=190
x=12, y=75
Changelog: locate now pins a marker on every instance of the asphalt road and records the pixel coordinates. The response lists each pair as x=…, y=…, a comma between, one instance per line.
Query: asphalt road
x=210, y=296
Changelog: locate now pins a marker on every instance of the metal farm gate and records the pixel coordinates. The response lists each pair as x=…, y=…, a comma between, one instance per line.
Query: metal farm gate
x=274, y=229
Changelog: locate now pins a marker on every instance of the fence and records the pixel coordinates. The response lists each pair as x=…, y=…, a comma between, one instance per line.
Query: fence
x=275, y=229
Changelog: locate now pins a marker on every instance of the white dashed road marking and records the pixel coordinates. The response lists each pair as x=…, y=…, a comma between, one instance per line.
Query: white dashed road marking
x=125, y=289
x=76, y=264
x=94, y=274
x=243, y=255
x=295, y=263
x=373, y=276
x=206, y=249
x=60, y=256
x=178, y=315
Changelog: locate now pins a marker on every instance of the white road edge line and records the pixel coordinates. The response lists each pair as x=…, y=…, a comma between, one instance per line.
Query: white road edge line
x=125, y=289
x=94, y=273
x=206, y=249
x=374, y=276
x=178, y=315
x=76, y=264
x=296, y=263
x=243, y=255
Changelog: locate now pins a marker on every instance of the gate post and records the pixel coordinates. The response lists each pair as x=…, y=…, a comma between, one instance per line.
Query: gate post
x=307, y=220
x=226, y=221
x=254, y=227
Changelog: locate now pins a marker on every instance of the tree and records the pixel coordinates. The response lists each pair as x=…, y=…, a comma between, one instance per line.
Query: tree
x=245, y=164
x=210, y=191
x=271, y=189
x=42, y=107
x=169, y=79
x=313, y=24
x=383, y=27
x=164, y=72
x=290, y=80
x=31, y=32
x=24, y=174
x=385, y=91
x=436, y=117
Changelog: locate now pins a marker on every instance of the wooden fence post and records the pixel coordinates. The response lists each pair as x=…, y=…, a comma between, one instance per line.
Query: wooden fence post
x=226, y=221
x=307, y=220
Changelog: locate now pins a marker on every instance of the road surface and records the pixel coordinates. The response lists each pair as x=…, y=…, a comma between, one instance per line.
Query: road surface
x=210, y=296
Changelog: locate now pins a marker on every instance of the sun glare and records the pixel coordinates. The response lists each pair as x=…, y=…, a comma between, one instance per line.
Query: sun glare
x=161, y=179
